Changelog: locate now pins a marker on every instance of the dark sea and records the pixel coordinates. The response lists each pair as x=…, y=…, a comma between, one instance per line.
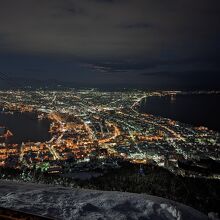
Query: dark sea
x=25, y=127
x=193, y=109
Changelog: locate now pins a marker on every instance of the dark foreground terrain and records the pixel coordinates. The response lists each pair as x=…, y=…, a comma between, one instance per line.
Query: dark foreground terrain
x=9, y=214
x=81, y=204
x=201, y=194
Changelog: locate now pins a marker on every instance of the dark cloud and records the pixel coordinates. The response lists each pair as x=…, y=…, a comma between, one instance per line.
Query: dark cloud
x=121, y=66
x=137, y=26
x=105, y=1
x=109, y=40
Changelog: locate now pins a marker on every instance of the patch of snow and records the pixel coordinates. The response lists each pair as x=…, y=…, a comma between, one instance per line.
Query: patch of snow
x=67, y=203
x=213, y=216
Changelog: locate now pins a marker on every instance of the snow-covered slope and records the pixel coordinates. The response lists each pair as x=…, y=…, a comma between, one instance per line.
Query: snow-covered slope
x=66, y=203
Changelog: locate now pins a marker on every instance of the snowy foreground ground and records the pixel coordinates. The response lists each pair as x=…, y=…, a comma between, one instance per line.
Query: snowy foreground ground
x=66, y=203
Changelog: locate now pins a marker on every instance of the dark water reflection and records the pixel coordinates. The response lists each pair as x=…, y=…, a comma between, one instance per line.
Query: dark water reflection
x=198, y=110
x=25, y=127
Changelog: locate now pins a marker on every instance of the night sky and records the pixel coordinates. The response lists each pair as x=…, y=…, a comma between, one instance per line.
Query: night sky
x=151, y=44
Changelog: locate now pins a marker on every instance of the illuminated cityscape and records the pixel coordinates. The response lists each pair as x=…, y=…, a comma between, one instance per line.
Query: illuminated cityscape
x=109, y=109
x=88, y=126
